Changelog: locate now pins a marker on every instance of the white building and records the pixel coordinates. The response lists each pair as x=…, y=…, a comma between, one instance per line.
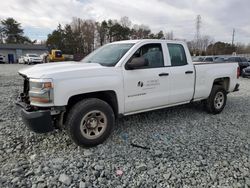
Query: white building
x=11, y=52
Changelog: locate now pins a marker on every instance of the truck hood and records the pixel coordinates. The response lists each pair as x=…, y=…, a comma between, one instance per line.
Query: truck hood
x=50, y=70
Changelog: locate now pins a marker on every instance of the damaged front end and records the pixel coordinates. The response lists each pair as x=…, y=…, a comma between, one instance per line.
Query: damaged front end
x=23, y=98
x=38, y=119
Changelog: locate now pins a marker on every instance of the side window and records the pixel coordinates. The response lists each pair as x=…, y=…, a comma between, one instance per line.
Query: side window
x=177, y=55
x=152, y=53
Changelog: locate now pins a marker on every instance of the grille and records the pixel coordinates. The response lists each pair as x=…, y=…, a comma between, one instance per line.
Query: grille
x=25, y=94
x=26, y=86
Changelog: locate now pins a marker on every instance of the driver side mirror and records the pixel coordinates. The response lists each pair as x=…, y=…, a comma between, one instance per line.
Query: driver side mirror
x=137, y=62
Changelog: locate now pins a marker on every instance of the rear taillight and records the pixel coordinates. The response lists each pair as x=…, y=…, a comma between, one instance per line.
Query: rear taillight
x=238, y=72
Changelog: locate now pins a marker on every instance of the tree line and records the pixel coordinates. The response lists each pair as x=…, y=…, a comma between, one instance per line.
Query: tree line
x=208, y=47
x=82, y=36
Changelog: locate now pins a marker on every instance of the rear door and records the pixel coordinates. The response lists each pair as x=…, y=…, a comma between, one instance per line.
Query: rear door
x=147, y=87
x=182, y=75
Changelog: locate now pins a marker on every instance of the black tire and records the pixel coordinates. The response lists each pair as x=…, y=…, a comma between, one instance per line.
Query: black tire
x=213, y=104
x=78, y=121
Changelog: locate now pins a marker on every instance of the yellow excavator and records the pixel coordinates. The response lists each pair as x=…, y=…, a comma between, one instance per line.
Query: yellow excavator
x=54, y=56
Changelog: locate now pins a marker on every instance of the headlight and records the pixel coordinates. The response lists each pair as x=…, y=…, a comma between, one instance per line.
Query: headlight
x=41, y=91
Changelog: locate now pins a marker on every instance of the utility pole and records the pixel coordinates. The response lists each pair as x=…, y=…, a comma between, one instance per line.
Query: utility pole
x=233, y=36
x=233, y=49
x=198, y=26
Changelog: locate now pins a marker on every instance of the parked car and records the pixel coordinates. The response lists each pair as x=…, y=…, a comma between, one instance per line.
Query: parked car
x=120, y=79
x=242, y=61
x=198, y=59
x=2, y=58
x=209, y=59
x=32, y=58
x=220, y=60
x=21, y=60
x=206, y=59
x=246, y=72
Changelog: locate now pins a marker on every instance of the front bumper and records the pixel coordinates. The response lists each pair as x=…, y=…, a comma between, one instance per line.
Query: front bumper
x=38, y=121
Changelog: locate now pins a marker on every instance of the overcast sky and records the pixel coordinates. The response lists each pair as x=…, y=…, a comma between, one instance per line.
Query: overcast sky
x=219, y=17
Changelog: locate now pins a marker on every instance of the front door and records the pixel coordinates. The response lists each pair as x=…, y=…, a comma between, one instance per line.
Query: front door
x=147, y=87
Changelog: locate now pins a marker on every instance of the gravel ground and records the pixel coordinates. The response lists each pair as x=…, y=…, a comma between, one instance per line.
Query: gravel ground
x=181, y=147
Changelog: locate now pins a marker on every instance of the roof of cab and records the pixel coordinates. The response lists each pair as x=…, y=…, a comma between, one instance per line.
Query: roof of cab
x=148, y=40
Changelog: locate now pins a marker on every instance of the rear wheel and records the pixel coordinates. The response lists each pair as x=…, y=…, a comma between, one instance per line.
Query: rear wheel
x=90, y=122
x=216, y=100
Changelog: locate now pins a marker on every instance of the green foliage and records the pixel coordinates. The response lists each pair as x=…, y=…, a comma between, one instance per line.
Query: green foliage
x=102, y=30
x=82, y=36
x=219, y=48
x=160, y=35
x=12, y=32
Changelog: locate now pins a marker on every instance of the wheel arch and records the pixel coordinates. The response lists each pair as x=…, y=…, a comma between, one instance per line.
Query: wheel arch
x=108, y=96
x=224, y=82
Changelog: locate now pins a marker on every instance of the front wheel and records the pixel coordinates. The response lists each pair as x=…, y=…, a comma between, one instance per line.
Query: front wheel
x=90, y=122
x=216, y=100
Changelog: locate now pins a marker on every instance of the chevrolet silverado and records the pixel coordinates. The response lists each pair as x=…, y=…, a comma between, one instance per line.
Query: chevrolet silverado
x=120, y=79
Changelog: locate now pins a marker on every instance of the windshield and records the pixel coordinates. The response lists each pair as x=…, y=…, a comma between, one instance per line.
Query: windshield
x=108, y=55
x=33, y=55
x=58, y=53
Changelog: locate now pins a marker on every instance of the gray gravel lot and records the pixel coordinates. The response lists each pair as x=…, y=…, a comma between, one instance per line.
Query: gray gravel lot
x=184, y=147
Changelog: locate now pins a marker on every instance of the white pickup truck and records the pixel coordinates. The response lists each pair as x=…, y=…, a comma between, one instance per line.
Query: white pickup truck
x=120, y=79
x=32, y=58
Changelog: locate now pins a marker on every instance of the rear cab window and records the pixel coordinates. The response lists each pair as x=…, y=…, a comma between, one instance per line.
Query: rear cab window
x=177, y=54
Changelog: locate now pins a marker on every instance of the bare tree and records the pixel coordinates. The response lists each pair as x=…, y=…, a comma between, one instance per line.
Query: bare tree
x=140, y=31
x=204, y=42
x=125, y=22
x=102, y=32
x=169, y=35
x=85, y=31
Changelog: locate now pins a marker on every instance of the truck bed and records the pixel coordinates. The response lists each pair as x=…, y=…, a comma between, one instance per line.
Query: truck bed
x=207, y=71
